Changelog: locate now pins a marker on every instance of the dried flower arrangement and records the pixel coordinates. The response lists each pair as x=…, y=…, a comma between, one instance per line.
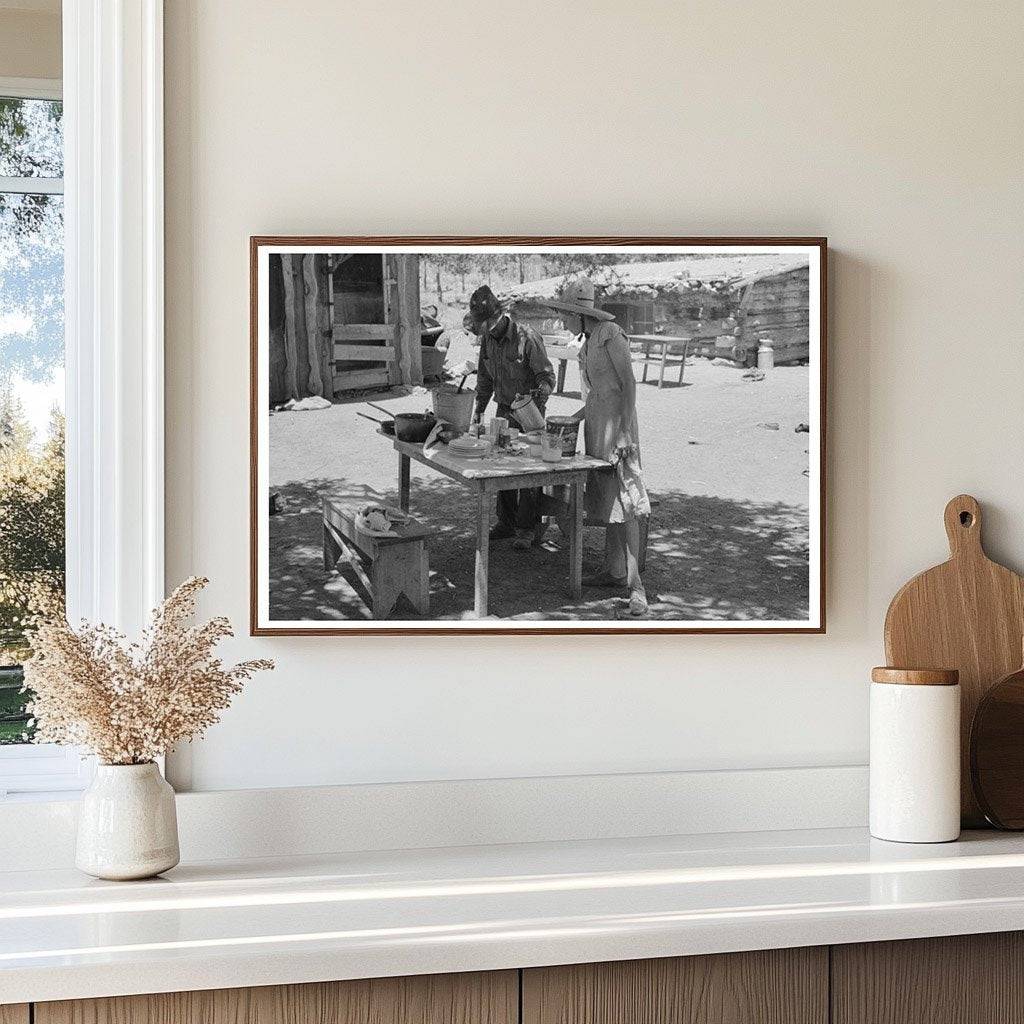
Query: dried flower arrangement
x=129, y=703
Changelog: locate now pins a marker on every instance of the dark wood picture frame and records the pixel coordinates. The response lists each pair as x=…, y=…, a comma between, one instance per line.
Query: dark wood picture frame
x=256, y=242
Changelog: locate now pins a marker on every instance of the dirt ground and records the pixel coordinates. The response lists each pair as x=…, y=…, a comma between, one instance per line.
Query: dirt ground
x=729, y=527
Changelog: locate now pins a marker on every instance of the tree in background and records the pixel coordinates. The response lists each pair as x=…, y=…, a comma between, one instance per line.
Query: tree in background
x=461, y=263
x=449, y=264
x=585, y=263
x=438, y=267
x=506, y=270
x=32, y=511
x=31, y=242
x=493, y=264
x=31, y=351
x=32, y=138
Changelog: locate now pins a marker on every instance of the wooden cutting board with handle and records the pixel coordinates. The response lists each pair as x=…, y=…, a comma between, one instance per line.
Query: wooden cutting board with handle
x=967, y=614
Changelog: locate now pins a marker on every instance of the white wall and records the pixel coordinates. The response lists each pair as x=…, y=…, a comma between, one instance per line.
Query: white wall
x=895, y=129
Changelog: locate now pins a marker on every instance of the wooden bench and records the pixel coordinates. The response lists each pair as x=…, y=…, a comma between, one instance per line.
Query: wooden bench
x=387, y=567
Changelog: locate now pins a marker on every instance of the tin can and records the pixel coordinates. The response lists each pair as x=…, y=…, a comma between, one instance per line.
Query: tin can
x=567, y=430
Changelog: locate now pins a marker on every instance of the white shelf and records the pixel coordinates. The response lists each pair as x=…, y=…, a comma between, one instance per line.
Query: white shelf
x=351, y=915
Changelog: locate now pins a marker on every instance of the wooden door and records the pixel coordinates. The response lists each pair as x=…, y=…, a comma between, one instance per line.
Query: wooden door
x=377, y=331
x=361, y=327
x=482, y=998
x=960, y=979
x=779, y=986
x=14, y=1013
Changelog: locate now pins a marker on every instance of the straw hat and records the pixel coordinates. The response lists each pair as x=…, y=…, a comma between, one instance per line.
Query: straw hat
x=578, y=297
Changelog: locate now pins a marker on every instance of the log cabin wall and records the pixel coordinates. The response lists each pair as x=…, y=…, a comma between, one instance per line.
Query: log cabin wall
x=670, y=311
x=777, y=307
x=300, y=336
x=347, y=300
x=636, y=317
x=404, y=281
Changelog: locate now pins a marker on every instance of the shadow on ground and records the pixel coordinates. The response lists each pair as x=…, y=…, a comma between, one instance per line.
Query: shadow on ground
x=708, y=558
x=668, y=385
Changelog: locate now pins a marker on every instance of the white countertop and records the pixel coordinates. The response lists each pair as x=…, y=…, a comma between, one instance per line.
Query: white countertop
x=261, y=922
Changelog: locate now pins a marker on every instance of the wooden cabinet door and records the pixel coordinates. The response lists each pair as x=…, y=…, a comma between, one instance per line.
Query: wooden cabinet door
x=14, y=1013
x=961, y=979
x=779, y=986
x=482, y=998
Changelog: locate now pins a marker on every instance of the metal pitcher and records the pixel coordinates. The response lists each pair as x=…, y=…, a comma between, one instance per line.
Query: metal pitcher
x=525, y=410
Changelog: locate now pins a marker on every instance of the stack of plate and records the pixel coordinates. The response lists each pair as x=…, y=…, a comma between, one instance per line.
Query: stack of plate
x=469, y=447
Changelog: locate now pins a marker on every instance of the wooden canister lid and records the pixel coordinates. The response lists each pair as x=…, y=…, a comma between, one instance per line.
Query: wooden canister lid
x=916, y=676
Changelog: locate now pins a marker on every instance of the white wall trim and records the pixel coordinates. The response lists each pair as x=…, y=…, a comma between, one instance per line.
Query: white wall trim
x=31, y=88
x=113, y=92
x=242, y=824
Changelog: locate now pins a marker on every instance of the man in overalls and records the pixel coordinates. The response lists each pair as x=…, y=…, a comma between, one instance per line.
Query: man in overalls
x=513, y=361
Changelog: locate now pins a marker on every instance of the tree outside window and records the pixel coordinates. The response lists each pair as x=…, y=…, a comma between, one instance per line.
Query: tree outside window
x=31, y=387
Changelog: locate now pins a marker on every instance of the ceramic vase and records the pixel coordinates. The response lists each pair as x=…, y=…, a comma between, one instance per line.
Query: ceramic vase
x=127, y=825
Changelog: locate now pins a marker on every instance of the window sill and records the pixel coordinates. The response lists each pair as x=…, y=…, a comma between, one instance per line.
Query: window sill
x=42, y=771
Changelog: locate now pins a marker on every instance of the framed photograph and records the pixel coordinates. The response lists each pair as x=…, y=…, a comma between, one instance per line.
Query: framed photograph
x=537, y=435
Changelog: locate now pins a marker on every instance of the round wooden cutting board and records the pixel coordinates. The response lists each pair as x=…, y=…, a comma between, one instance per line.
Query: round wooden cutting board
x=967, y=614
x=997, y=752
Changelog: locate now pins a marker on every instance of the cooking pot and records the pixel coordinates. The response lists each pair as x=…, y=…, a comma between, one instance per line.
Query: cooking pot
x=414, y=426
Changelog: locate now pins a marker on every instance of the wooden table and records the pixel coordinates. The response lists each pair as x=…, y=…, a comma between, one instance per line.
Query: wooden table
x=503, y=471
x=669, y=344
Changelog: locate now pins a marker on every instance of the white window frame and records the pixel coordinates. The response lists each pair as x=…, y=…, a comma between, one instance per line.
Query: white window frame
x=114, y=334
x=31, y=89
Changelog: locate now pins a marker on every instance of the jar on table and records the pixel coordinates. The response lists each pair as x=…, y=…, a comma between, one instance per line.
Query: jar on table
x=551, y=447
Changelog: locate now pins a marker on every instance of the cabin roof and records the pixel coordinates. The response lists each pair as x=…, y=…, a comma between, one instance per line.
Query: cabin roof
x=654, y=277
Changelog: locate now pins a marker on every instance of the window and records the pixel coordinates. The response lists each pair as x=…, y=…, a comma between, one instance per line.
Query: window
x=31, y=413
x=92, y=171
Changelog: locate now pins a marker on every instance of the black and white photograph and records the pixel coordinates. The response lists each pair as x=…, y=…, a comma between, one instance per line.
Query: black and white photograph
x=557, y=435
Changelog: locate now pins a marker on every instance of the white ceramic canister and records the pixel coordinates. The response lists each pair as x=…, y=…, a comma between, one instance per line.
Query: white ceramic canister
x=915, y=755
x=127, y=825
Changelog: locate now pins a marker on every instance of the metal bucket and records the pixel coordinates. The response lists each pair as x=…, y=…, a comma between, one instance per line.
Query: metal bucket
x=525, y=410
x=454, y=407
x=567, y=429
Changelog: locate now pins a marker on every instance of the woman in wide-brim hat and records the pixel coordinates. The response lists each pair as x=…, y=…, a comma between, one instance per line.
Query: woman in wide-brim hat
x=610, y=431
